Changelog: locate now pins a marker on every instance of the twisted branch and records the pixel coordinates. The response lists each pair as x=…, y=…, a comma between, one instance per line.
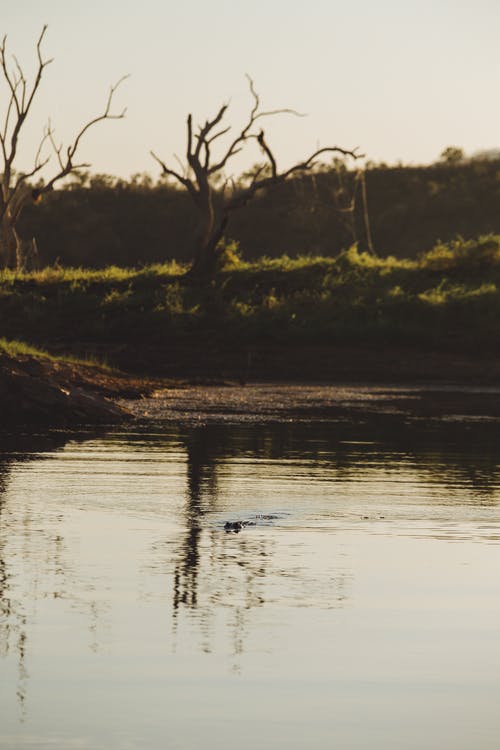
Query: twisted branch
x=21, y=95
x=199, y=176
x=67, y=166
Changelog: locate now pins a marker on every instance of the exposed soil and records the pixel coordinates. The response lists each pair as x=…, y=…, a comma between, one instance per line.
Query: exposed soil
x=42, y=391
x=54, y=393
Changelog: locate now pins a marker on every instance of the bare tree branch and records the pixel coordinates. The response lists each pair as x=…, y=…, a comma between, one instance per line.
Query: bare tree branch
x=234, y=147
x=39, y=164
x=218, y=135
x=200, y=179
x=310, y=162
x=21, y=101
x=201, y=137
x=262, y=143
x=106, y=115
x=15, y=191
x=168, y=171
x=188, y=184
x=181, y=165
x=49, y=132
x=189, y=134
x=68, y=166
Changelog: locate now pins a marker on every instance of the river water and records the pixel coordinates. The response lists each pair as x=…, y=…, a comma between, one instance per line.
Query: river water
x=361, y=610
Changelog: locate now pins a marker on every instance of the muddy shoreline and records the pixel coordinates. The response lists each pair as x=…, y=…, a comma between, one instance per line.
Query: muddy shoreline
x=63, y=394
x=261, y=403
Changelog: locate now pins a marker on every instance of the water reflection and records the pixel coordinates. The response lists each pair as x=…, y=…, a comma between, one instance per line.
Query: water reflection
x=214, y=570
x=19, y=538
x=201, y=491
x=229, y=576
x=113, y=551
x=12, y=618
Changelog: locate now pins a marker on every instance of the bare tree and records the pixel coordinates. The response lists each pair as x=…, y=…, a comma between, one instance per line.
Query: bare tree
x=16, y=190
x=202, y=173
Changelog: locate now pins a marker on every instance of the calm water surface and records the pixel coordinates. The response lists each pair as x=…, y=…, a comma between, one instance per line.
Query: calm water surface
x=364, y=614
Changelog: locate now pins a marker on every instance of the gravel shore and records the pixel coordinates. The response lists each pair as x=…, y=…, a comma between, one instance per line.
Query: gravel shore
x=284, y=402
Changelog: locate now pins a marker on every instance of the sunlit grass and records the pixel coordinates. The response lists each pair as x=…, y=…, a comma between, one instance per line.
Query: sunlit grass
x=21, y=348
x=447, y=297
x=468, y=254
x=16, y=348
x=112, y=274
x=446, y=293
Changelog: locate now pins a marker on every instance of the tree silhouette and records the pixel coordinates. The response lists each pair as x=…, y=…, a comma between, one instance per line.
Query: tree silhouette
x=216, y=196
x=16, y=191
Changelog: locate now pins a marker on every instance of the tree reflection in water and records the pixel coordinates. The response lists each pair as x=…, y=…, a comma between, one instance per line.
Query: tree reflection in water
x=51, y=575
x=13, y=632
x=201, y=455
x=203, y=557
x=214, y=569
x=222, y=581
x=224, y=571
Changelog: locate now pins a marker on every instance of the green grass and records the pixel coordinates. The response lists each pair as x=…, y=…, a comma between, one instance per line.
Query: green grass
x=447, y=299
x=20, y=348
x=15, y=348
x=112, y=274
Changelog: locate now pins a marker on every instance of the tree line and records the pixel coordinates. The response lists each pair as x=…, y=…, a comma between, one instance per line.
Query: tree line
x=193, y=211
x=205, y=176
x=100, y=220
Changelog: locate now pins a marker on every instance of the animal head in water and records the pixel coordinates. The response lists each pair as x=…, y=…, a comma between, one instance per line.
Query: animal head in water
x=233, y=526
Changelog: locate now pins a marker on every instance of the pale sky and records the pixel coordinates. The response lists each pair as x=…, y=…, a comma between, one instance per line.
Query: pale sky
x=401, y=79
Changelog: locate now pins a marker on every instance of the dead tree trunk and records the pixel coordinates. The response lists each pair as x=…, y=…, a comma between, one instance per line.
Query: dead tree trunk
x=206, y=241
x=202, y=172
x=208, y=244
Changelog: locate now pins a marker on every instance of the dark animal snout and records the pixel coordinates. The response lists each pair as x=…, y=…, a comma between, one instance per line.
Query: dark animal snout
x=233, y=526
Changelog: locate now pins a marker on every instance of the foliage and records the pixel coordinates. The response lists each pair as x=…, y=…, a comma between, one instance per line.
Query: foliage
x=453, y=155
x=467, y=256
x=147, y=319
x=15, y=349
x=99, y=220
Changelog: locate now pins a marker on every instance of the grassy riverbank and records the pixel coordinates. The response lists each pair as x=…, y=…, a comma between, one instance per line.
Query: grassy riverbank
x=37, y=388
x=353, y=316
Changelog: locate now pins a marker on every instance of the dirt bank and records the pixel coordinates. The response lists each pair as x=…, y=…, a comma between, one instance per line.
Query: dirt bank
x=52, y=393
x=39, y=390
